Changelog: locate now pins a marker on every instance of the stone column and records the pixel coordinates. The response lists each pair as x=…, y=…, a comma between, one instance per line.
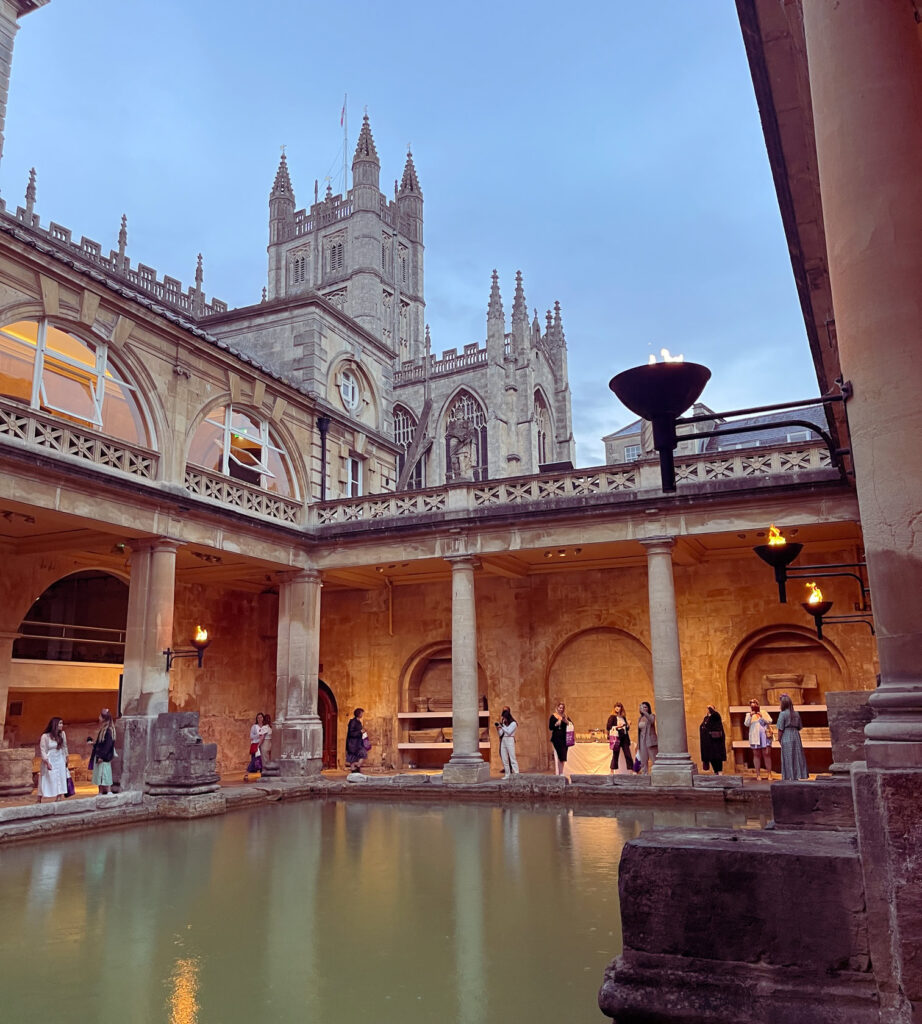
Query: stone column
x=6, y=659
x=466, y=763
x=297, y=733
x=149, y=632
x=673, y=765
x=865, y=67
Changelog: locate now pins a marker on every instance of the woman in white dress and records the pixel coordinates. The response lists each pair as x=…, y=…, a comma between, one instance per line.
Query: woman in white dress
x=265, y=739
x=52, y=778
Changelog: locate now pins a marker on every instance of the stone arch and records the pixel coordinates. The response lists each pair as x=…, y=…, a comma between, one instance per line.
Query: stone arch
x=785, y=649
x=327, y=711
x=427, y=673
x=68, y=658
x=593, y=668
x=544, y=428
x=281, y=433
x=465, y=434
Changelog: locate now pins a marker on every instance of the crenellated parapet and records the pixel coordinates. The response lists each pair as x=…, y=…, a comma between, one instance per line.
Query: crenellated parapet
x=167, y=290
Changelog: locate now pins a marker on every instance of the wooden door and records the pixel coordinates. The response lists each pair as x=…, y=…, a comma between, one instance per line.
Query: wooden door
x=326, y=709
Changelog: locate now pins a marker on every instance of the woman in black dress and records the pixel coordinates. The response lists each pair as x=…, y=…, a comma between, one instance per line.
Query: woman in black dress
x=713, y=741
x=355, y=742
x=557, y=724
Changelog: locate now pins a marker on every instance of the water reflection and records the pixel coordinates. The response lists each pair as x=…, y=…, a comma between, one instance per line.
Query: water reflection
x=324, y=911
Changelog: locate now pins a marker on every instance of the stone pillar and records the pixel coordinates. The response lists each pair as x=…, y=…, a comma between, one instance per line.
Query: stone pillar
x=149, y=632
x=673, y=766
x=297, y=733
x=865, y=67
x=6, y=663
x=466, y=763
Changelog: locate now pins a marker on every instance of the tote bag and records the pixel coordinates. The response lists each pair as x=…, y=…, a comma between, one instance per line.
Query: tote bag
x=571, y=734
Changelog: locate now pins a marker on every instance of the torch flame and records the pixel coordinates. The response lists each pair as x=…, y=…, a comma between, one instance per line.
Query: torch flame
x=201, y=635
x=667, y=358
x=815, y=595
x=775, y=538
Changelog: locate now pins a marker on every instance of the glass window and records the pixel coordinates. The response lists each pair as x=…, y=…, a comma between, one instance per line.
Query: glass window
x=543, y=426
x=466, y=439
x=631, y=452
x=404, y=431
x=349, y=390
x=354, y=476
x=238, y=444
x=58, y=373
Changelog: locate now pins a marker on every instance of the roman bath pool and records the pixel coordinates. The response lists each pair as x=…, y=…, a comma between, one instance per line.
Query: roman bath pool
x=320, y=911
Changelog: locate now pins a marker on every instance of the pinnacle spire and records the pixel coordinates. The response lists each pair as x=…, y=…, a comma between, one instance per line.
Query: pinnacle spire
x=558, y=326
x=199, y=275
x=495, y=308
x=519, y=306
x=365, y=147
x=409, y=184
x=282, y=184
x=30, y=193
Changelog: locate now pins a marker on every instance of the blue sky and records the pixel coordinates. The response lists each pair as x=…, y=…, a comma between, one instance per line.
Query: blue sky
x=611, y=151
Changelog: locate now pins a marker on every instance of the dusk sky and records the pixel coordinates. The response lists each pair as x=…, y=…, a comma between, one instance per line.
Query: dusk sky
x=611, y=151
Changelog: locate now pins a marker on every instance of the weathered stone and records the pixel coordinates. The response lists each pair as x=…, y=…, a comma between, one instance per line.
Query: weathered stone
x=180, y=764
x=824, y=804
x=16, y=771
x=718, y=782
x=197, y=805
x=675, y=883
x=848, y=712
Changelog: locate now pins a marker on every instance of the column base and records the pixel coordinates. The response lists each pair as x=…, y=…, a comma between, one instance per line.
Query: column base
x=129, y=768
x=673, y=770
x=300, y=747
x=466, y=769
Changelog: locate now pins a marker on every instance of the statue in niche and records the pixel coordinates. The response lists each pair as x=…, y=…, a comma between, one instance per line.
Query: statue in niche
x=461, y=435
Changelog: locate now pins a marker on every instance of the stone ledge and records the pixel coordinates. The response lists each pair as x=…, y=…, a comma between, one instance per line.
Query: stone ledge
x=74, y=805
x=717, y=781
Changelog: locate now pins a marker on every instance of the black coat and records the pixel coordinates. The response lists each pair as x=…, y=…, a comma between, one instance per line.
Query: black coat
x=104, y=749
x=713, y=740
x=558, y=736
x=354, y=745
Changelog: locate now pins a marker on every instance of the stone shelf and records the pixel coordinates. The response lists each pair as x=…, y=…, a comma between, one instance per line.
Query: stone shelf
x=434, y=746
x=433, y=714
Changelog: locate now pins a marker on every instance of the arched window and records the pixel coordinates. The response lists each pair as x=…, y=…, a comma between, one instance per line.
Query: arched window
x=239, y=444
x=465, y=439
x=404, y=429
x=62, y=375
x=79, y=618
x=349, y=390
x=543, y=427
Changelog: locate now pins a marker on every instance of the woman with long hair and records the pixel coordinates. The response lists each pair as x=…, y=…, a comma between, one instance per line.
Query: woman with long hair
x=793, y=759
x=103, y=751
x=619, y=733
x=557, y=724
x=759, y=724
x=647, y=740
x=265, y=740
x=355, y=742
x=52, y=778
x=506, y=727
x=256, y=764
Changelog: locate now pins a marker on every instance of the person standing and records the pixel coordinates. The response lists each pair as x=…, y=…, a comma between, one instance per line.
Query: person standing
x=793, y=759
x=506, y=727
x=759, y=724
x=557, y=724
x=618, y=722
x=103, y=751
x=265, y=740
x=355, y=742
x=52, y=778
x=647, y=740
x=255, y=764
x=713, y=741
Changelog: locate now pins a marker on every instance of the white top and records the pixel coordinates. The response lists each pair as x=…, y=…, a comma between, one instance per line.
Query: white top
x=508, y=730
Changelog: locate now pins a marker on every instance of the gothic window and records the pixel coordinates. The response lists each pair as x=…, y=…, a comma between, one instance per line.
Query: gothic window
x=403, y=263
x=349, y=390
x=466, y=439
x=299, y=267
x=239, y=444
x=338, y=298
x=62, y=375
x=404, y=429
x=387, y=243
x=543, y=427
x=336, y=254
x=404, y=324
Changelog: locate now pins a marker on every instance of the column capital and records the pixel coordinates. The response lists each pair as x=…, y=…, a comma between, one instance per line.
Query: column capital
x=302, y=576
x=657, y=545
x=462, y=561
x=155, y=544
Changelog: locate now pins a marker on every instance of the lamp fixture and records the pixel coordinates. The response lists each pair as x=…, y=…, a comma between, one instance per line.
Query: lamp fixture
x=199, y=642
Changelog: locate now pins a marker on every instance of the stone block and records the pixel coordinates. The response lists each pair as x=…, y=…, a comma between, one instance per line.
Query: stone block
x=180, y=763
x=791, y=940
x=824, y=804
x=16, y=771
x=198, y=805
x=463, y=773
x=718, y=782
x=848, y=712
x=545, y=784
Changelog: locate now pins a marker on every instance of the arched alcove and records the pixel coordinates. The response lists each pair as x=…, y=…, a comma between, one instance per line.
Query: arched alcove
x=592, y=669
x=773, y=654
x=327, y=712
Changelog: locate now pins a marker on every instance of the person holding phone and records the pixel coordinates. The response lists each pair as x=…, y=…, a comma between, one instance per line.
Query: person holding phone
x=506, y=727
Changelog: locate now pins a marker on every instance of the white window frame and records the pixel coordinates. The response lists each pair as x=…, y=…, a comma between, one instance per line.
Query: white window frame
x=349, y=390
x=354, y=476
x=632, y=452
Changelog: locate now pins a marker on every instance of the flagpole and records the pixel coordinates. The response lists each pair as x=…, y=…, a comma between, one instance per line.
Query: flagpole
x=345, y=145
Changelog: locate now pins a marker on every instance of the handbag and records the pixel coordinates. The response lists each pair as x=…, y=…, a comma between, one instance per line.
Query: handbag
x=366, y=741
x=571, y=734
x=614, y=741
x=70, y=785
x=637, y=765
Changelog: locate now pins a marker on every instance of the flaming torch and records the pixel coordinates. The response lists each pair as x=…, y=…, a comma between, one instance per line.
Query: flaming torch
x=199, y=642
x=779, y=554
x=816, y=606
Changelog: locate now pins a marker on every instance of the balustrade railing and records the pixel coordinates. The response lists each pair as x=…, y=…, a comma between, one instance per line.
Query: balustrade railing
x=240, y=495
